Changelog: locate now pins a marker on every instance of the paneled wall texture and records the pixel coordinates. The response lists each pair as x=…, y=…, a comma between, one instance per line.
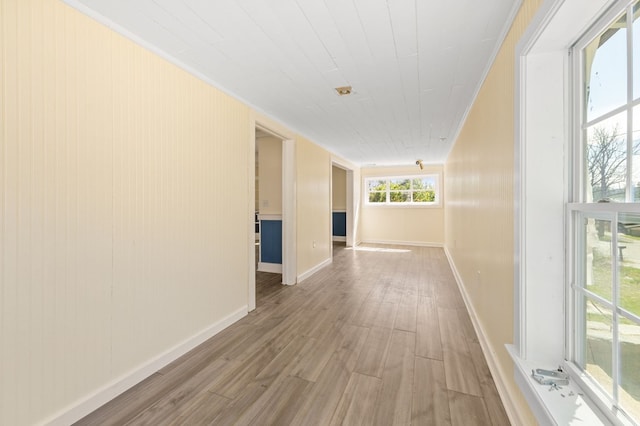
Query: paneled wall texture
x=120, y=176
x=479, y=188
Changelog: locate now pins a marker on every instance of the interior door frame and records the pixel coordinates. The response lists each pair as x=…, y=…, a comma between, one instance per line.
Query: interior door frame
x=351, y=208
x=289, y=265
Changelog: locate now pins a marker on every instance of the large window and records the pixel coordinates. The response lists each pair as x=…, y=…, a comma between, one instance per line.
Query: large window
x=402, y=190
x=604, y=298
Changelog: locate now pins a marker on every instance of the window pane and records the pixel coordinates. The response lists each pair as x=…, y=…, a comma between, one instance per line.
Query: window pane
x=606, y=70
x=607, y=160
x=630, y=368
x=377, y=185
x=635, y=177
x=636, y=49
x=377, y=197
x=597, y=255
x=423, y=183
x=629, y=251
x=424, y=197
x=598, y=340
x=400, y=196
x=400, y=184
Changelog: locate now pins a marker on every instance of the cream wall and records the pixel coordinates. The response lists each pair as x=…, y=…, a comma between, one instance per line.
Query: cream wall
x=119, y=181
x=480, y=210
x=339, y=188
x=402, y=225
x=314, y=240
x=270, y=179
x=124, y=217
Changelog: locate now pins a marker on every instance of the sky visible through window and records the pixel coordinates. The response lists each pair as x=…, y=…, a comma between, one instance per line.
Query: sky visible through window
x=607, y=90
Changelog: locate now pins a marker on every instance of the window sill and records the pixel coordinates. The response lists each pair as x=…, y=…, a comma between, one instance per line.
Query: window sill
x=551, y=407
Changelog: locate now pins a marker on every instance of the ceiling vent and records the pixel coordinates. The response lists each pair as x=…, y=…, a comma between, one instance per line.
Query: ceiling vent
x=344, y=90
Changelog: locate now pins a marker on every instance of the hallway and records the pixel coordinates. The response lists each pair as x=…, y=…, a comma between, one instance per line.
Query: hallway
x=381, y=336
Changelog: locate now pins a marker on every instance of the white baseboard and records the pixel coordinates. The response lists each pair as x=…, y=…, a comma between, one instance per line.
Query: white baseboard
x=90, y=403
x=274, y=268
x=509, y=404
x=338, y=238
x=313, y=270
x=402, y=243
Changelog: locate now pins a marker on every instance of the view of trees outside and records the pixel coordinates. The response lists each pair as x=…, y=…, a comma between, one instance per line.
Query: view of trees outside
x=611, y=337
x=402, y=190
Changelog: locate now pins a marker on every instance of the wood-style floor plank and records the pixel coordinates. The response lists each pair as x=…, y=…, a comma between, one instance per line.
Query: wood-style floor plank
x=430, y=396
x=490, y=394
x=428, y=342
x=203, y=410
x=394, y=402
x=458, y=366
x=358, y=402
x=374, y=353
x=407, y=312
x=467, y=410
x=380, y=336
x=278, y=404
x=176, y=401
x=325, y=394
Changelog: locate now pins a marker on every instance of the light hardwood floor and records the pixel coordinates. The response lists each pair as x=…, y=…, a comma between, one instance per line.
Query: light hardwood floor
x=379, y=337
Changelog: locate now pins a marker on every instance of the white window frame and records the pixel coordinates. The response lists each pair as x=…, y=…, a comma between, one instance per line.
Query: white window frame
x=579, y=208
x=388, y=203
x=543, y=127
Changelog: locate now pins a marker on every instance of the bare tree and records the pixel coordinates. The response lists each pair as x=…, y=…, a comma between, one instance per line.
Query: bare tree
x=607, y=156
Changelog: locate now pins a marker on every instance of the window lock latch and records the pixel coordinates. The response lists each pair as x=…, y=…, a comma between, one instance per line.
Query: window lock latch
x=550, y=377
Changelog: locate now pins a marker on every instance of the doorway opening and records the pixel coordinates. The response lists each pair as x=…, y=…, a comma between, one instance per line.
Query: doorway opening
x=342, y=207
x=268, y=214
x=272, y=242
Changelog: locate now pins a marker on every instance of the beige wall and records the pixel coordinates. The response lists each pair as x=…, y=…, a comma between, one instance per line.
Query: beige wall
x=313, y=205
x=412, y=225
x=119, y=181
x=270, y=179
x=339, y=188
x=479, y=214
x=124, y=217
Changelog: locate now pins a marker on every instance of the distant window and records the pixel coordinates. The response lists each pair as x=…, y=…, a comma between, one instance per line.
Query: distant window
x=402, y=190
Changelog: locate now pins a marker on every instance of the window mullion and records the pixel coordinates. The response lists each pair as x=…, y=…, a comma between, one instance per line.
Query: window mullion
x=629, y=23
x=615, y=344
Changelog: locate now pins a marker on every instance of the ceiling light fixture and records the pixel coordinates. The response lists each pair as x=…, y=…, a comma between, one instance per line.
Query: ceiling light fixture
x=419, y=164
x=344, y=90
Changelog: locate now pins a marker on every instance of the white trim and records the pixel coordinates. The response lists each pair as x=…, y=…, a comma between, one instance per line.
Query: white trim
x=339, y=238
x=437, y=191
x=510, y=406
x=269, y=217
x=289, y=223
x=570, y=405
x=91, y=402
x=313, y=270
x=251, y=196
x=543, y=131
x=274, y=268
x=338, y=211
x=402, y=243
x=353, y=200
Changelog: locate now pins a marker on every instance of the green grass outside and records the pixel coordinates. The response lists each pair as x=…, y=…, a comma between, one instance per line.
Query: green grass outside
x=600, y=350
x=629, y=282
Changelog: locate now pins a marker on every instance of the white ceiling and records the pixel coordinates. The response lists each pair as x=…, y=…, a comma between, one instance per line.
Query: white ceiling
x=415, y=65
